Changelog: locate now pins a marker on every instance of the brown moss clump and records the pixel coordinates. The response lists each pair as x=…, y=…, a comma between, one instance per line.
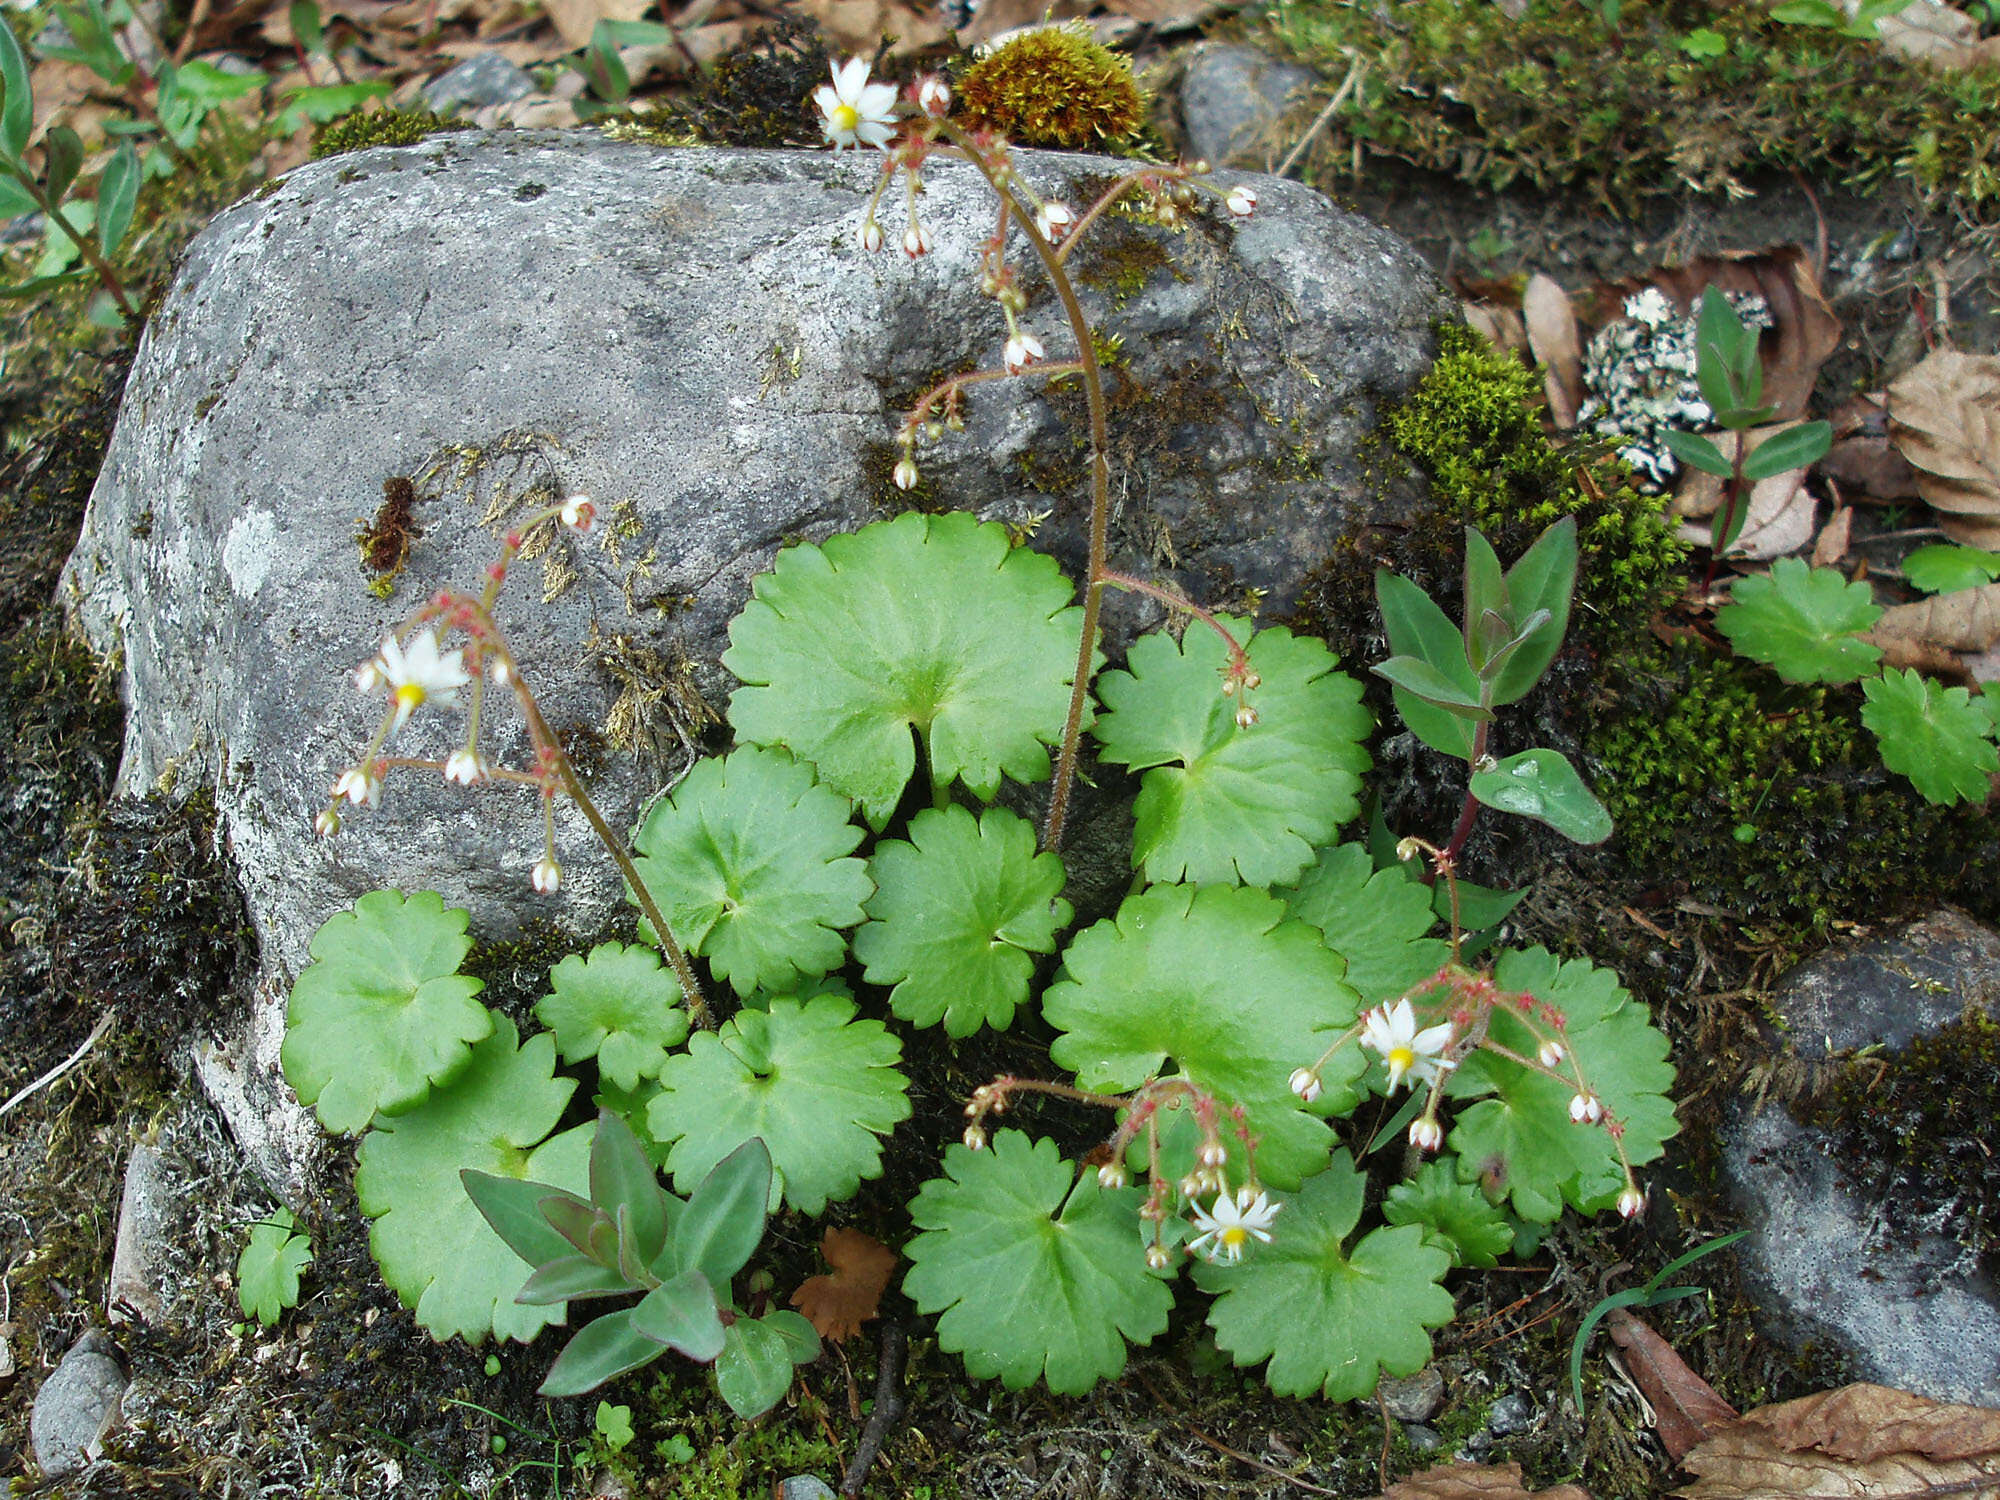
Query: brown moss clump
x=1055, y=86
x=382, y=127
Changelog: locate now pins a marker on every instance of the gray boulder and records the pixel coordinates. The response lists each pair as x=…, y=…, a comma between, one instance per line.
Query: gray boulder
x=696, y=339
x=1831, y=1259
x=75, y=1407
x=1232, y=101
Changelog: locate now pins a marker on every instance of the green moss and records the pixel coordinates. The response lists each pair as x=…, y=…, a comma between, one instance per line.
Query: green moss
x=1698, y=749
x=382, y=127
x=678, y=1411
x=1054, y=86
x=758, y=94
x=1556, y=98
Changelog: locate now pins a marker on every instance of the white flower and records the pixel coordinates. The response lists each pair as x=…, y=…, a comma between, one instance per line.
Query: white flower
x=578, y=511
x=1305, y=1082
x=916, y=241
x=905, y=474
x=418, y=673
x=934, y=97
x=1054, y=220
x=358, y=786
x=1023, y=349
x=1112, y=1175
x=871, y=236
x=1242, y=201
x=466, y=767
x=1631, y=1203
x=1585, y=1109
x=1392, y=1031
x=1426, y=1134
x=854, y=111
x=1233, y=1223
x=327, y=824
x=1550, y=1054
x=546, y=876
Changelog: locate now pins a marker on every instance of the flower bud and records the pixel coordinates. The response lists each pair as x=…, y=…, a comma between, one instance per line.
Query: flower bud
x=1631, y=1202
x=358, y=786
x=1584, y=1109
x=1113, y=1175
x=578, y=512
x=1426, y=1134
x=871, y=236
x=465, y=767
x=368, y=676
x=1192, y=1185
x=1055, y=220
x=1023, y=349
x=546, y=876
x=1212, y=1154
x=905, y=475
x=1550, y=1054
x=1305, y=1082
x=1246, y=716
x=916, y=241
x=1242, y=201
x=503, y=674
x=1157, y=1258
x=1407, y=849
x=934, y=97
x=975, y=1138
x=327, y=824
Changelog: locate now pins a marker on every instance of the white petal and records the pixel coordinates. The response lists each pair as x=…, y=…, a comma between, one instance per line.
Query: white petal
x=850, y=78
x=1433, y=1040
x=878, y=100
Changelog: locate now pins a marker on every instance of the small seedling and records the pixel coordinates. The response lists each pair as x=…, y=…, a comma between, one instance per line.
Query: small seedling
x=267, y=1272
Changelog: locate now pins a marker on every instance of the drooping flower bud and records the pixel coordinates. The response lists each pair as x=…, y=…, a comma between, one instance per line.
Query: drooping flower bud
x=905, y=475
x=1023, y=349
x=1426, y=1134
x=1242, y=201
x=1550, y=1054
x=1157, y=1258
x=871, y=236
x=327, y=824
x=578, y=512
x=1585, y=1109
x=916, y=241
x=546, y=876
x=975, y=1138
x=1113, y=1175
x=1305, y=1082
x=1054, y=220
x=1631, y=1203
x=934, y=97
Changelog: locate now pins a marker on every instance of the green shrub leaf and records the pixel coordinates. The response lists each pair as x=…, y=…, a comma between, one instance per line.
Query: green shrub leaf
x=1378, y=920
x=267, y=1272
x=431, y=1241
x=1221, y=802
x=928, y=623
x=723, y=1222
x=382, y=1012
x=603, y=1349
x=754, y=1369
x=1519, y=1134
x=817, y=1085
x=1936, y=736
x=619, y=1005
x=1455, y=1216
x=1946, y=570
x=745, y=860
x=1417, y=627
x=1330, y=1322
x=1804, y=622
x=1220, y=981
x=681, y=1313
x=1037, y=1271
x=1543, y=785
x=957, y=914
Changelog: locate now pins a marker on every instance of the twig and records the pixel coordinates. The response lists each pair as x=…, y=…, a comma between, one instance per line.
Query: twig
x=888, y=1408
x=66, y=1064
x=1356, y=71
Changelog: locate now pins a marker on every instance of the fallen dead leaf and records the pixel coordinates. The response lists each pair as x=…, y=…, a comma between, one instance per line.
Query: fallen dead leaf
x=1686, y=1408
x=1968, y=620
x=1830, y=546
x=1476, y=1482
x=1869, y=464
x=1552, y=335
x=1945, y=418
x=995, y=18
x=1500, y=326
x=1940, y=35
x=856, y=27
x=838, y=1304
x=1861, y=1440
x=1782, y=510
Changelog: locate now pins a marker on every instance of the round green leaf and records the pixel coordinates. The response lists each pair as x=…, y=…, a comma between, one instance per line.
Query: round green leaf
x=1378, y=920
x=957, y=912
x=1936, y=736
x=1518, y=1138
x=745, y=861
x=936, y=624
x=1221, y=802
x=1947, y=569
x=754, y=1370
x=434, y=1247
x=817, y=1085
x=1214, y=984
x=620, y=1005
x=382, y=1012
x=1037, y=1272
x=1456, y=1215
x=1543, y=785
x=1331, y=1323
x=1804, y=622
x=267, y=1272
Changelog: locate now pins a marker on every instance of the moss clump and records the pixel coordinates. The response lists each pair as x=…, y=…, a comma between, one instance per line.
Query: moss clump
x=1768, y=800
x=1055, y=86
x=1929, y=1145
x=383, y=127
x=1557, y=98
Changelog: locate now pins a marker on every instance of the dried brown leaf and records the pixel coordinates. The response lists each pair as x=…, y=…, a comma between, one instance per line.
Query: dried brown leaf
x=1938, y=34
x=1869, y=464
x=1499, y=325
x=1552, y=335
x=1476, y=1482
x=1945, y=418
x=1968, y=620
x=1830, y=546
x=576, y=19
x=1861, y=1440
x=1686, y=1408
x=839, y=1303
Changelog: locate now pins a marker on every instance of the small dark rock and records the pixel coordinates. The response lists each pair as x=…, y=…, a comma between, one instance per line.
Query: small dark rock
x=1414, y=1398
x=482, y=79
x=1231, y=97
x=1510, y=1414
x=75, y=1407
x=804, y=1487
x=1422, y=1439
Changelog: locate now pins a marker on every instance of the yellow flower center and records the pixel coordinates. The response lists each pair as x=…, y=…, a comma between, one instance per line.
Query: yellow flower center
x=1235, y=1236
x=1402, y=1059
x=844, y=117
x=410, y=695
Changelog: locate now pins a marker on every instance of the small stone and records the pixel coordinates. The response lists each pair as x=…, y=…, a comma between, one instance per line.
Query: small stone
x=804, y=1487
x=75, y=1407
x=1510, y=1414
x=482, y=79
x=1231, y=100
x=1422, y=1439
x=1414, y=1398
x=132, y=1290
